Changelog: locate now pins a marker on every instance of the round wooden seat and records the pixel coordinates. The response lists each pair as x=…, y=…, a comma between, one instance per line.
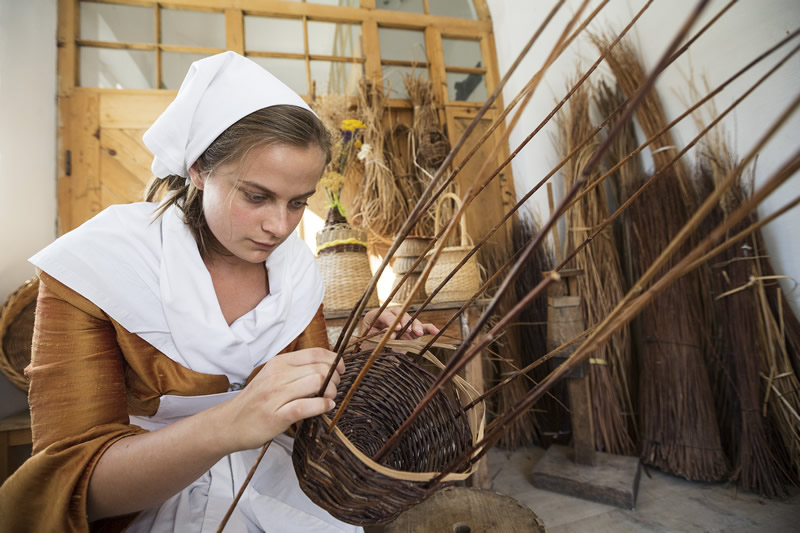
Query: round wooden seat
x=467, y=510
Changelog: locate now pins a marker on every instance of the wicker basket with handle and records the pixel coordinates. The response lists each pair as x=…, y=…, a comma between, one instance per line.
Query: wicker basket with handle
x=467, y=280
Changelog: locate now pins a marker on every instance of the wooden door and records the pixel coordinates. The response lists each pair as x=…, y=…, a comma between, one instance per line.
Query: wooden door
x=106, y=161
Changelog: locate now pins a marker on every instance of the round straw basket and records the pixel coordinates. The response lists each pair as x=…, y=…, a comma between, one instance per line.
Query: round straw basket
x=408, y=252
x=467, y=280
x=335, y=469
x=16, y=332
x=342, y=260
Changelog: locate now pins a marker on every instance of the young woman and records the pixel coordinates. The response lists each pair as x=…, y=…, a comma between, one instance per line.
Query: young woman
x=174, y=339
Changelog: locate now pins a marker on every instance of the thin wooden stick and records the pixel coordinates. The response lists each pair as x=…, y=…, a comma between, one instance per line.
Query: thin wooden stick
x=416, y=213
x=689, y=145
x=239, y=494
x=462, y=355
x=626, y=311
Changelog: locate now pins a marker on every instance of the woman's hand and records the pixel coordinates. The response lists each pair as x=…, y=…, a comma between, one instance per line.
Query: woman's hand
x=283, y=392
x=375, y=323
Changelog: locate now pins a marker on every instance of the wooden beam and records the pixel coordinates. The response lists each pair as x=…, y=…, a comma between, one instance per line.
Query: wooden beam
x=234, y=30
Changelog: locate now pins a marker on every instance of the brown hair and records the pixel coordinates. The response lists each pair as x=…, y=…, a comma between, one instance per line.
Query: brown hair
x=280, y=124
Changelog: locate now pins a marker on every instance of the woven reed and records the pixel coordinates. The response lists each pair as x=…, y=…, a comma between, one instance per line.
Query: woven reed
x=467, y=280
x=404, y=292
x=16, y=332
x=406, y=255
x=343, y=262
x=334, y=469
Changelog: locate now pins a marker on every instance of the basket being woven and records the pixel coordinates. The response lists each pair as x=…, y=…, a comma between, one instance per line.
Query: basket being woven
x=335, y=469
x=16, y=332
x=467, y=280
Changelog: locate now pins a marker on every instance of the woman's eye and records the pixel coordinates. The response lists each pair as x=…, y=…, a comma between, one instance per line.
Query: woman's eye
x=299, y=204
x=254, y=197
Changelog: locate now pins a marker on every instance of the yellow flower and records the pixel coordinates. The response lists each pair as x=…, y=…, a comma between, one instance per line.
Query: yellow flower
x=332, y=180
x=352, y=124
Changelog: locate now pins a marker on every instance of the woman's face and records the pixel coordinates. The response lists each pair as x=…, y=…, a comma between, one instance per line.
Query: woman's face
x=252, y=207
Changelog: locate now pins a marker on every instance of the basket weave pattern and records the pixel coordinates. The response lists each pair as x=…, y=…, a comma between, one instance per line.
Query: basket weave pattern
x=334, y=468
x=467, y=280
x=16, y=332
x=344, y=267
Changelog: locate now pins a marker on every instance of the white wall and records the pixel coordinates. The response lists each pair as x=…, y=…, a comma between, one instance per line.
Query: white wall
x=746, y=30
x=27, y=147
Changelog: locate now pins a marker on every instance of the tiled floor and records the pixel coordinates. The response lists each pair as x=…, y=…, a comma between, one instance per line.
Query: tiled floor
x=665, y=503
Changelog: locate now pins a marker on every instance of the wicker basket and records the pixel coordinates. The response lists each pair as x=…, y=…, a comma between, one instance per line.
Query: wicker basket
x=343, y=262
x=466, y=282
x=16, y=332
x=335, y=469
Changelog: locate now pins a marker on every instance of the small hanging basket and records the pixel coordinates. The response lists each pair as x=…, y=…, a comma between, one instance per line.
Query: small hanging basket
x=466, y=282
x=343, y=262
x=335, y=469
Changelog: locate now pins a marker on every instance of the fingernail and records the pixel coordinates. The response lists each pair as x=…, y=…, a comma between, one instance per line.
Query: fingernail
x=331, y=404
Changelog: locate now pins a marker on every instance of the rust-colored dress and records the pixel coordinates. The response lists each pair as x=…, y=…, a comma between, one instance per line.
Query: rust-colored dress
x=88, y=374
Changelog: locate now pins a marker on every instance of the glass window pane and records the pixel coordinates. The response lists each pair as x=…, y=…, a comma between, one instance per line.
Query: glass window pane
x=174, y=66
x=466, y=87
x=117, y=69
x=265, y=34
x=292, y=72
x=393, y=76
x=464, y=9
x=192, y=28
x=337, y=77
x=461, y=53
x=331, y=39
x=402, y=45
x=347, y=3
x=115, y=23
x=409, y=6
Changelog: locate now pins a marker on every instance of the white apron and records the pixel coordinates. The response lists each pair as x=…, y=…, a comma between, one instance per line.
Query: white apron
x=272, y=502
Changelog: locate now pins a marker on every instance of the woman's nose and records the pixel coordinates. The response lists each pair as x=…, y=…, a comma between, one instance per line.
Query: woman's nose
x=276, y=221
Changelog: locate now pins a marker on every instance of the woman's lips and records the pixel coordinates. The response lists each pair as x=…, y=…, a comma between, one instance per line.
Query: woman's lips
x=264, y=245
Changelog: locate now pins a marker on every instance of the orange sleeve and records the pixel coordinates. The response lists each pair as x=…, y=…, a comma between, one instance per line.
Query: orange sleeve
x=78, y=409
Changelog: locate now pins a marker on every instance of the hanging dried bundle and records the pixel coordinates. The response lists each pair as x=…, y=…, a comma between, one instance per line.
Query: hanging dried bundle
x=427, y=146
x=600, y=284
x=679, y=431
x=379, y=206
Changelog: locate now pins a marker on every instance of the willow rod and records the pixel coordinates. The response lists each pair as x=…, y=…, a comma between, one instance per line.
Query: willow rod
x=437, y=251
x=599, y=128
x=524, y=95
x=416, y=213
x=621, y=316
x=700, y=102
x=464, y=354
x=472, y=194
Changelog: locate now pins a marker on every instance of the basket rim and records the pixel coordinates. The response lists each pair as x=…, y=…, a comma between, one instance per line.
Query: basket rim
x=13, y=304
x=477, y=417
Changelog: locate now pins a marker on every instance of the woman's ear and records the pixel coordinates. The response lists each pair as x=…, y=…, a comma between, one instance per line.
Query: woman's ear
x=196, y=177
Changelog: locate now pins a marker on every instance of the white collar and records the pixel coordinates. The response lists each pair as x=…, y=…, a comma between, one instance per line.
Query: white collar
x=148, y=276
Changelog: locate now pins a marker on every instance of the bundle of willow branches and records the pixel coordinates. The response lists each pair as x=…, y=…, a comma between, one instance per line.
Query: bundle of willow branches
x=600, y=284
x=678, y=417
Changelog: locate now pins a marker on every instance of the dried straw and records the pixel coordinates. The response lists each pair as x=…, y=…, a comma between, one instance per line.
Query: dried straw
x=379, y=206
x=550, y=420
x=600, y=285
x=427, y=148
x=678, y=418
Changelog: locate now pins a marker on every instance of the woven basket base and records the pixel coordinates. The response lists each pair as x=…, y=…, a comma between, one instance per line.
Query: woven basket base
x=340, y=482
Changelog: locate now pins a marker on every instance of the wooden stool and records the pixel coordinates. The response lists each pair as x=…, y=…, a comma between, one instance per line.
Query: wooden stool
x=467, y=510
x=15, y=430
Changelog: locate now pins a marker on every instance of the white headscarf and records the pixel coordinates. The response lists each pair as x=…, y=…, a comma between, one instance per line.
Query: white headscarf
x=217, y=91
